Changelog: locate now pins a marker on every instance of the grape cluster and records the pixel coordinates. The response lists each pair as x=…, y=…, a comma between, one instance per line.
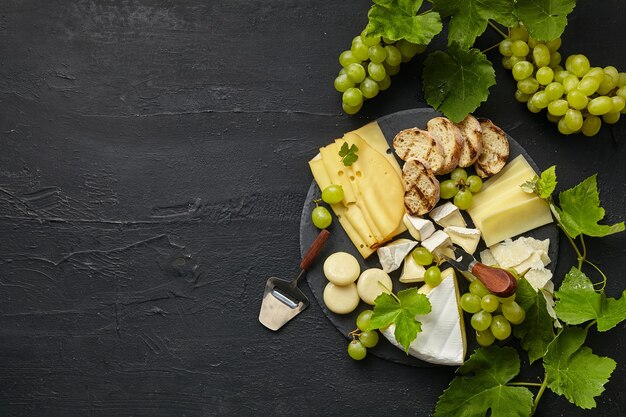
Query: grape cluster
x=362, y=338
x=461, y=188
x=367, y=68
x=492, y=316
x=578, y=97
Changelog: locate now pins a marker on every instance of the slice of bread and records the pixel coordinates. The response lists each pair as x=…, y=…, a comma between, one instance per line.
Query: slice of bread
x=416, y=143
x=421, y=188
x=449, y=136
x=495, y=150
x=472, y=140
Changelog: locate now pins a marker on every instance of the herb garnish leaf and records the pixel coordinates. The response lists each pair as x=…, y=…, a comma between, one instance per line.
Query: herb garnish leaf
x=348, y=154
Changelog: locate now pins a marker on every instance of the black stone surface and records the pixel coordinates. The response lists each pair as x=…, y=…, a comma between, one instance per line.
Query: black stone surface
x=152, y=175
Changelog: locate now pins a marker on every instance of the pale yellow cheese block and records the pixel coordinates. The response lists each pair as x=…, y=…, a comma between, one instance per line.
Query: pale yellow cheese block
x=374, y=137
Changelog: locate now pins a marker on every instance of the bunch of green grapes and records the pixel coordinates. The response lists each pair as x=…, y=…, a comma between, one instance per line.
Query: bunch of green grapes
x=492, y=316
x=461, y=188
x=578, y=97
x=367, y=68
x=362, y=338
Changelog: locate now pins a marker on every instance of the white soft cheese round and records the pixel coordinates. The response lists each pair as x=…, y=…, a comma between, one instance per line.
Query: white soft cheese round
x=341, y=299
x=369, y=284
x=341, y=268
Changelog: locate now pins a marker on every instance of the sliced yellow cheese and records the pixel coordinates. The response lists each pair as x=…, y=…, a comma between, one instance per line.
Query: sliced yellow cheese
x=518, y=163
x=374, y=137
x=337, y=172
x=510, y=197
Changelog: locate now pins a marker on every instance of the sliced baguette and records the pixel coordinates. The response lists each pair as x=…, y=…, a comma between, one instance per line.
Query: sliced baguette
x=421, y=188
x=449, y=136
x=472, y=140
x=416, y=143
x=495, y=150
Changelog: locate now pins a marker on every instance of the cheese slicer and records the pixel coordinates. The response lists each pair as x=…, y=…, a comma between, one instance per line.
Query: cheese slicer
x=282, y=299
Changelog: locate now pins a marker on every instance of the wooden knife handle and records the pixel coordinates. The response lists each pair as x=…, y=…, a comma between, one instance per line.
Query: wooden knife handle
x=499, y=281
x=314, y=250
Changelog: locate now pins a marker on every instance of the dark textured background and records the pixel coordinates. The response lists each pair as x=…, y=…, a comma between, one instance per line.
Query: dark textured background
x=152, y=174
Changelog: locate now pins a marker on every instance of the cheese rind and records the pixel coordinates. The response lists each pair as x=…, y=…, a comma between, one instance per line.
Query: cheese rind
x=437, y=242
x=418, y=227
x=447, y=215
x=464, y=237
x=392, y=255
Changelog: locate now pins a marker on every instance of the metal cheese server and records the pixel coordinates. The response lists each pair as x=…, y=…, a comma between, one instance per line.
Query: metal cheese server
x=282, y=299
x=499, y=281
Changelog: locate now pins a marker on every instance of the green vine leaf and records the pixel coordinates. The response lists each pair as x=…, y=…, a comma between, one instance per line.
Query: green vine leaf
x=536, y=332
x=544, y=19
x=396, y=19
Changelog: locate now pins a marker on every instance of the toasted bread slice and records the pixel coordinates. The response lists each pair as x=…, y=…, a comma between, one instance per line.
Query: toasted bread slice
x=449, y=136
x=417, y=143
x=495, y=150
x=421, y=188
x=472, y=140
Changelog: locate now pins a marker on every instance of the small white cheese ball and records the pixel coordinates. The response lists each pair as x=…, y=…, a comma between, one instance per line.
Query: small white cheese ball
x=341, y=299
x=369, y=287
x=341, y=268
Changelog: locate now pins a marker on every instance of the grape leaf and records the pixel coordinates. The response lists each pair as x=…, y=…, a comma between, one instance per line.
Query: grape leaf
x=579, y=302
x=481, y=386
x=470, y=17
x=457, y=81
x=536, y=331
x=545, y=19
x=547, y=182
x=401, y=311
x=580, y=211
x=396, y=19
x=575, y=371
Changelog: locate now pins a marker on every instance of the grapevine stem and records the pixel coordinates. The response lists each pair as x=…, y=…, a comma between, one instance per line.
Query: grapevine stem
x=544, y=385
x=591, y=323
x=582, y=243
x=526, y=384
x=425, y=11
x=603, y=283
x=497, y=29
x=490, y=48
x=580, y=256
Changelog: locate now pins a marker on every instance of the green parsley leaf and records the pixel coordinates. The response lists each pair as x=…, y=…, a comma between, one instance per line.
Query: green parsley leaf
x=457, y=81
x=545, y=19
x=396, y=19
x=481, y=387
x=344, y=149
x=578, y=302
x=547, y=183
x=575, y=371
x=401, y=311
x=537, y=330
x=580, y=211
x=348, y=155
x=470, y=17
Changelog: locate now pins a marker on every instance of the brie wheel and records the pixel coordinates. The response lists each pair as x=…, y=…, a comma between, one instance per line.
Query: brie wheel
x=341, y=268
x=341, y=299
x=369, y=284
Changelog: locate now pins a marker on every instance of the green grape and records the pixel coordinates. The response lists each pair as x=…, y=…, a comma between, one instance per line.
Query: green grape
x=407, y=50
x=554, y=44
x=356, y=350
x=611, y=118
x=369, y=339
x=544, y=75
x=508, y=299
x=532, y=42
x=591, y=125
x=618, y=104
x=448, y=189
x=332, y=194
x=463, y=199
x=359, y=49
x=553, y=118
x=522, y=69
x=388, y=41
x=474, y=183
x=321, y=217
x=506, y=62
x=485, y=338
x=458, y=175
x=500, y=327
x=563, y=127
x=394, y=57
x=515, y=59
x=573, y=119
x=422, y=256
x=391, y=70
x=355, y=72
x=560, y=76
x=579, y=65
x=577, y=100
x=369, y=88
x=568, y=63
x=352, y=97
x=555, y=59
x=364, y=319
x=478, y=288
x=558, y=107
x=385, y=83
x=376, y=71
x=481, y=321
x=541, y=55
x=588, y=85
x=621, y=80
x=347, y=57
x=505, y=47
x=570, y=83
x=519, y=33
x=521, y=97
x=351, y=109
x=489, y=303
x=621, y=92
x=470, y=303
x=607, y=84
x=531, y=107
x=432, y=276
x=613, y=72
x=540, y=100
x=520, y=48
x=342, y=71
x=343, y=82
x=370, y=40
x=377, y=54
x=596, y=72
x=554, y=90
x=600, y=105
x=528, y=85
x=513, y=312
